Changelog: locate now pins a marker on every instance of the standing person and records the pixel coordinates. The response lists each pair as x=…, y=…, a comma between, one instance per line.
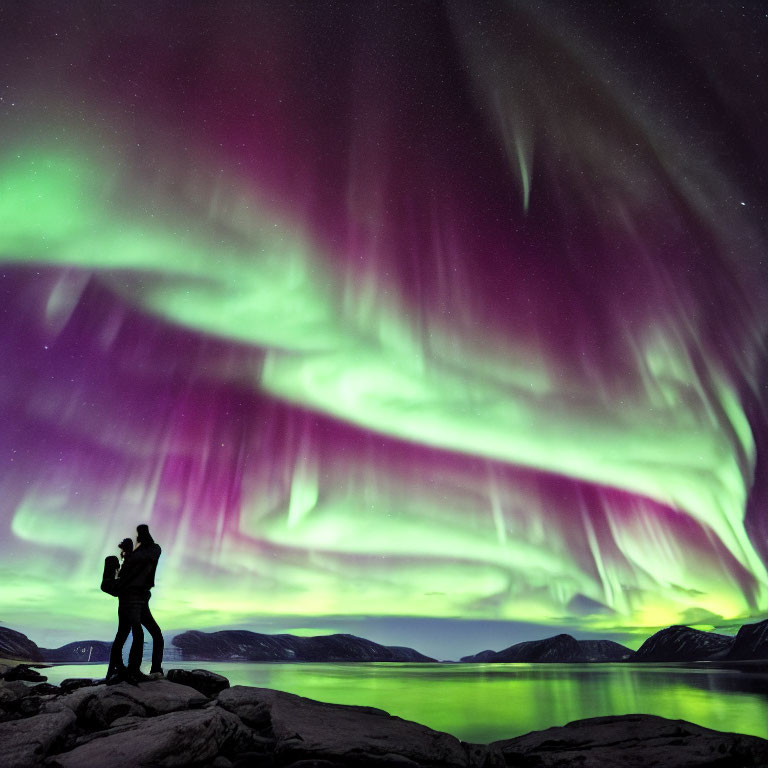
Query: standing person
x=137, y=577
x=110, y=583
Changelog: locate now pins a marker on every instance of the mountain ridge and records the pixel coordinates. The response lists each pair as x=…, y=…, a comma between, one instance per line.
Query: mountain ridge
x=677, y=643
x=243, y=645
x=559, y=649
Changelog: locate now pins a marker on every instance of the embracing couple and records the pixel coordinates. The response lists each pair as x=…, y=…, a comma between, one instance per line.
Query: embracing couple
x=130, y=579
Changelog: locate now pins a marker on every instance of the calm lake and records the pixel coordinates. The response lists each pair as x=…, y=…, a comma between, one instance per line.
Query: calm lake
x=485, y=702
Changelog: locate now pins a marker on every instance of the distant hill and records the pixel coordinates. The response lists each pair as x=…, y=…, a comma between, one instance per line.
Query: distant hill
x=751, y=642
x=558, y=649
x=80, y=651
x=251, y=646
x=673, y=644
x=15, y=645
x=678, y=643
x=605, y=650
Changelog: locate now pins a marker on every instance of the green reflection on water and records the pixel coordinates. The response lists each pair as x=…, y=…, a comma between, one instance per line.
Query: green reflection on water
x=486, y=702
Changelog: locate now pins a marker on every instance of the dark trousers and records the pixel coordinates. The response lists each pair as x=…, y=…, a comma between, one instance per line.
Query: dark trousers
x=130, y=617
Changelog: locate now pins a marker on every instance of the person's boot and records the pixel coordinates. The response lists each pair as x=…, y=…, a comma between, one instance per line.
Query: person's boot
x=118, y=675
x=136, y=676
x=156, y=674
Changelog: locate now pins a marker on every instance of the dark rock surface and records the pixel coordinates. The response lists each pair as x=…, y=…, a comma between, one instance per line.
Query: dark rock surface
x=558, y=649
x=162, y=723
x=25, y=672
x=79, y=652
x=633, y=741
x=684, y=644
x=751, y=642
x=14, y=645
x=303, y=729
x=10, y=694
x=98, y=706
x=43, y=689
x=191, y=738
x=252, y=646
x=207, y=683
x=26, y=742
x=73, y=683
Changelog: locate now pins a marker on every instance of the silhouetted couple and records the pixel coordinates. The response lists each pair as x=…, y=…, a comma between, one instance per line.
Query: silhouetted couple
x=130, y=579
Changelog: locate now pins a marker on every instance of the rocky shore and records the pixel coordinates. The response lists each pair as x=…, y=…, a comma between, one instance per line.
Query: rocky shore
x=194, y=718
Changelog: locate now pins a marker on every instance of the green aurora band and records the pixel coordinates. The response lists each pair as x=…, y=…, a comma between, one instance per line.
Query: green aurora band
x=677, y=441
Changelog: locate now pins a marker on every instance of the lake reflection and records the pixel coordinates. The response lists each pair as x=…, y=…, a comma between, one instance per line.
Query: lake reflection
x=485, y=702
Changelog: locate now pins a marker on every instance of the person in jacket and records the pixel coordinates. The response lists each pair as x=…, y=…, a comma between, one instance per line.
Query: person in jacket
x=110, y=583
x=133, y=587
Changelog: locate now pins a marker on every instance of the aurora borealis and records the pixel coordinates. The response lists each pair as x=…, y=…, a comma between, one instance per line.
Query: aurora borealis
x=385, y=311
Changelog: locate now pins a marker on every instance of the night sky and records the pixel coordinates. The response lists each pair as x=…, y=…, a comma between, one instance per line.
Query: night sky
x=443, y=323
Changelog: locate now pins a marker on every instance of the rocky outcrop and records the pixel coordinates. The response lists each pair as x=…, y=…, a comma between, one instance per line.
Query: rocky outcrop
x=303, y=729
x=14, y=645
x=80, y=652
x=251, y=646
x=162, y=724
x=684, y=644
x=632, y=740
x=191, y=738
x=557, y=649
x=98, y=706
x=22, y=672
x=73, y=683
x=26, y=742
x=203, y=681
x=751, y=642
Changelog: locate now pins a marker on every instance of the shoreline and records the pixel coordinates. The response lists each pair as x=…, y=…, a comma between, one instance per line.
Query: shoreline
x=195, y=718
x=483, y=702
x=751, y=665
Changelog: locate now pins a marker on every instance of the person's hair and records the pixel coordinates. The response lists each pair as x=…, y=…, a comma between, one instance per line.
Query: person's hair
x=143, y=536
x=127, y=546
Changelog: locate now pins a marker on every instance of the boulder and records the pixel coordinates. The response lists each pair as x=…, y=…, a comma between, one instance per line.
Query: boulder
x=633, y=741
x=46, y=689
x=192, y=738
x=24, y=672
x=25, y=743
x=98, y=706
x=12, y=691
x=30, y=705
x=208, y=683
x=310, y=730
x=73, y=683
